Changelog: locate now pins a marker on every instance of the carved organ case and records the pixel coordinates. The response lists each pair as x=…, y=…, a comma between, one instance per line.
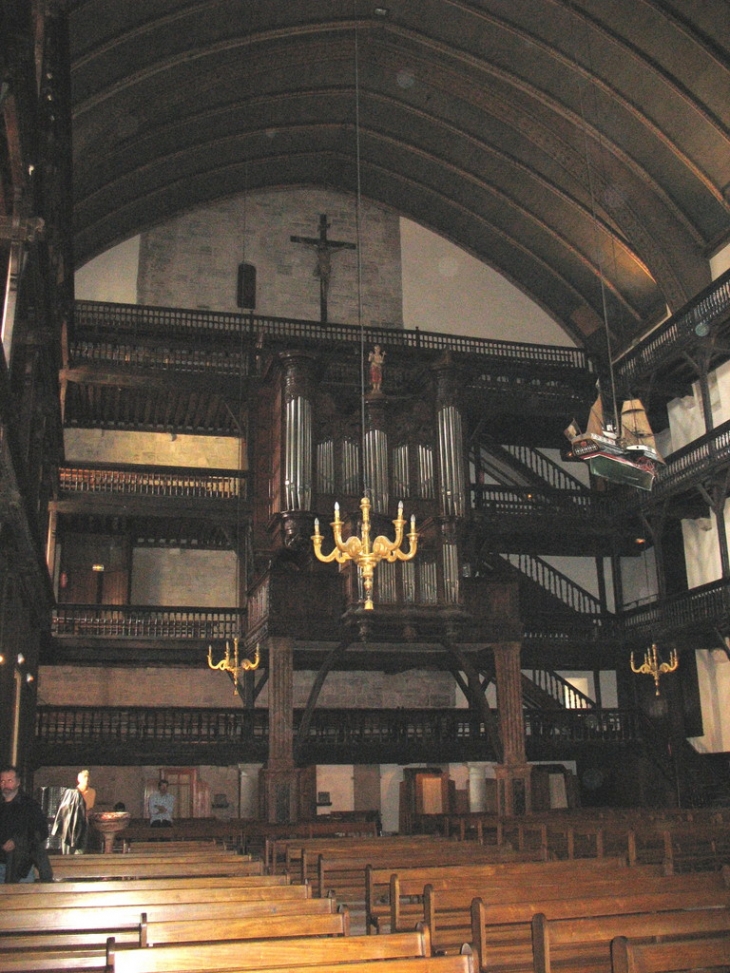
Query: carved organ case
x=323, y=442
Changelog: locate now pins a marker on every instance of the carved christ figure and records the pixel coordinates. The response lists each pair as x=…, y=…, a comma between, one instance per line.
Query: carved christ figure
x=324, y=249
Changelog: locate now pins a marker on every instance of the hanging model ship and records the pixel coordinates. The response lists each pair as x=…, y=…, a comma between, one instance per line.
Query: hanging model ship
x=625, y=455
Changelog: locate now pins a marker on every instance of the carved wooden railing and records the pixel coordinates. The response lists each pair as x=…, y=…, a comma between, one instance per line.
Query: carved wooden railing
x=556, y=583
x=581, y=726
x=534, y=502
x=708, y=604
x=559, y=689
x=668, y=341
x=146, y=622
x=127, y=353
x=152, y=481
x=694, y=462
x=334, y=728
x=704, y=608
x=126, y=319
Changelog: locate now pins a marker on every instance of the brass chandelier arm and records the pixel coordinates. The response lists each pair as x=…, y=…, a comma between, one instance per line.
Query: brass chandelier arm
x=359, y=550
x=653, y=666
x=232, y=665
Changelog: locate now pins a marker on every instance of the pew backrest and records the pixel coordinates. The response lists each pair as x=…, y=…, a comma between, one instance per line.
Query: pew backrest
x=704, y=953
x=144, y=899
x=313, y=950
x=566, y=940
x=149, y=885
x=275, y=926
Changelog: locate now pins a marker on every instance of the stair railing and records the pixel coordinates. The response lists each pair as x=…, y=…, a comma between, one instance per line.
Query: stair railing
x=560, y=690
x=556, y=583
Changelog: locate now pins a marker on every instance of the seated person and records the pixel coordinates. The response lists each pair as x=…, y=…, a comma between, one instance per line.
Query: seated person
x=161, y=805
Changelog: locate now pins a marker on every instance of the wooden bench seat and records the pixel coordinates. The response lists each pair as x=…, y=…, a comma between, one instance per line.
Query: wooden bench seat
x=396, y=894
x=262, y=926
x=560, y=943
x=75, y=867
x=106, y=952
x=463, y=963
x=299, y=855
x=143, y=899
x=502, y=934
x=85, y=924
x=213, y=957
x=706, y=953
x=447, y=909
x=147, y=885
x=346, y=877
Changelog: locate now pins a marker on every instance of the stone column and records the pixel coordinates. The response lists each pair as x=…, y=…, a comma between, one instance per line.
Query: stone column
x=513, y=775
x=280, y=778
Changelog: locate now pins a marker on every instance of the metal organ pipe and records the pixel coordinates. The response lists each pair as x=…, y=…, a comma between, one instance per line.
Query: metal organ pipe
x=376, y=467
x=298, y=452
x=451, y=460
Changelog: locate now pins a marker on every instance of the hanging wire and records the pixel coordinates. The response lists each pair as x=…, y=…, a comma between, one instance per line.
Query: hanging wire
x=358, y=202
x=594, y=212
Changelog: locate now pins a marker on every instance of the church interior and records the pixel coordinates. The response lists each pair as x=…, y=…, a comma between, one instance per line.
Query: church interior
x=306, y=309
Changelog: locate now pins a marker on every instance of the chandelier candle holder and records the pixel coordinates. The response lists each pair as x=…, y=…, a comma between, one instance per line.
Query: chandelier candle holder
x=653, y=666
x=232, y=665
x=360, y=550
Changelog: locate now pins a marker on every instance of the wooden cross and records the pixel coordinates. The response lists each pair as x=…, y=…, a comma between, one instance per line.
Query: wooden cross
x=324, y=249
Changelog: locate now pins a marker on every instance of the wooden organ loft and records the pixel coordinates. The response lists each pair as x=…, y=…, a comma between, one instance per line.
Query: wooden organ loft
x=458, y=433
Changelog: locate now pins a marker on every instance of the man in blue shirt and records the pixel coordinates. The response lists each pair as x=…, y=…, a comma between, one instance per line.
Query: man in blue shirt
x=161, y=806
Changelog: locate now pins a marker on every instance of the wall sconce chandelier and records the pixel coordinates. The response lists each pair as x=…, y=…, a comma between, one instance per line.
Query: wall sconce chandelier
x=653, y=666
x=232, y=665
x=360, y=550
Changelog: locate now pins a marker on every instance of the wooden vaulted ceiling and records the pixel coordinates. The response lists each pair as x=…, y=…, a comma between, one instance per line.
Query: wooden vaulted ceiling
x=580, y=147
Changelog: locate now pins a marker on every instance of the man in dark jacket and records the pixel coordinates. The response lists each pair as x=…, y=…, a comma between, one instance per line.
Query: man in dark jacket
x=23, y=832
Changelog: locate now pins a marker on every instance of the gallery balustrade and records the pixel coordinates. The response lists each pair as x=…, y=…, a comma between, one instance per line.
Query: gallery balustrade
x=146, y=622
x=330, y=730
x=149, y=481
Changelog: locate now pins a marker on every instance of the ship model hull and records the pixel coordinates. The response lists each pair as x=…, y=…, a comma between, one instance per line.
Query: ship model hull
x=628, y=457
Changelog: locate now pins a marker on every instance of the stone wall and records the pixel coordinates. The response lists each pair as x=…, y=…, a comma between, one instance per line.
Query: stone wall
x=192, y=261
x=155, y=449
x=109, y=686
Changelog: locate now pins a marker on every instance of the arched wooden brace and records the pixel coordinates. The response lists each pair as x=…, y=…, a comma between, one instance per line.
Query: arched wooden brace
x=478, y=698
x=333, y=657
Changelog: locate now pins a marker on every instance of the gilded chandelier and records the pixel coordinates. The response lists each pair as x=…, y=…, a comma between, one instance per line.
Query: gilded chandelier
x=232, y=665
x=652, y=666
x=360, y=550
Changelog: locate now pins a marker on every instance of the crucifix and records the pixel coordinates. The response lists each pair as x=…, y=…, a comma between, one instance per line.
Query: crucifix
x=324, y=249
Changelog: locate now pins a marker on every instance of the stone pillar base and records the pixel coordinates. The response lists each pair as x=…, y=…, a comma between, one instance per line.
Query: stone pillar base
x=514, y=790
x=279, y=795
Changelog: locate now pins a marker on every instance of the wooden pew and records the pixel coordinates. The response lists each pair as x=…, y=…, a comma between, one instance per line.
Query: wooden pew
x=502, y=934
x=462, y=963
x=312, y=951
x=343, y=873
x=142, y=899
x=183, y=831
x=397, y=893
x=148, y=885
x=75, y=867
x=88, y=924
x=706, y=953
x=103, y=955
x=447, y=909
x=300, y=856
x=587, y=940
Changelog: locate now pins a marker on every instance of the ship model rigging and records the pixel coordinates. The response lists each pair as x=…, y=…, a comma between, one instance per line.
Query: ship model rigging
x=623, y=452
